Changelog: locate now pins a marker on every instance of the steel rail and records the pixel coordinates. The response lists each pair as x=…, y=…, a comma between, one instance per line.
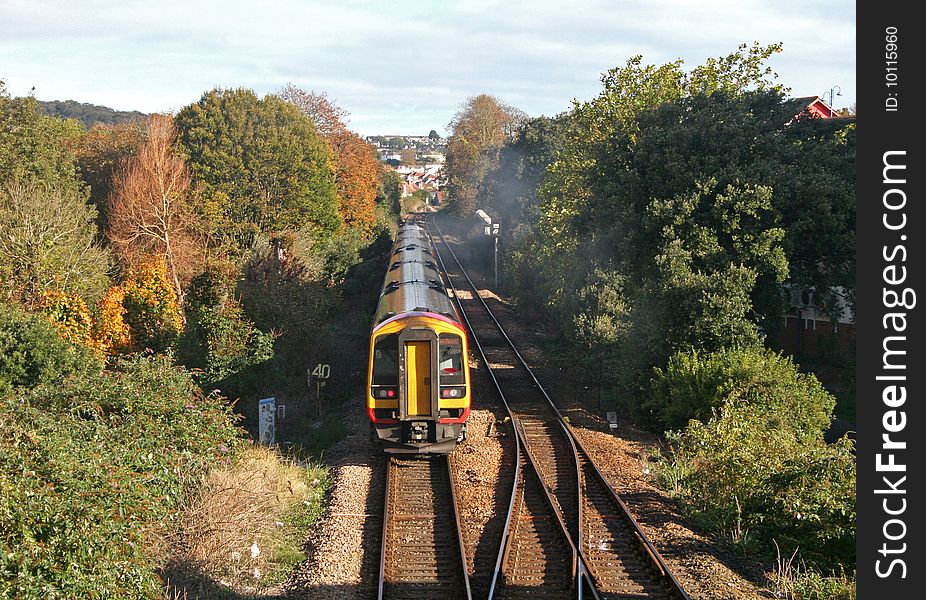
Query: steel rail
x=648, y=548
x=522, y=451
x=429, y=579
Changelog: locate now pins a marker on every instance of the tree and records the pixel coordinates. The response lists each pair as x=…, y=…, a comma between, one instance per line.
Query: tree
x=47, y=232
x=480, y=128
x=99, y=153
x=48, y=242
x=260, y=166
x=356, y=163
x=627, y=92
x=327, y=116
x=390, y=193
x=433, y=135
x=149, y=209
x=35, y=147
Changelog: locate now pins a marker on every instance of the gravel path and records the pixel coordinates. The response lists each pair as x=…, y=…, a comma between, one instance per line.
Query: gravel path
x=343, y=548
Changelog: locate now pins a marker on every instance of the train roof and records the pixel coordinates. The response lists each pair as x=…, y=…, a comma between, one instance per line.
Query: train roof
x=413, y=282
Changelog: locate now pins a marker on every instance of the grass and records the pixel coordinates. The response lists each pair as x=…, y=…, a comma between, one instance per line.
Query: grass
x=246, y=528
x=311, y=444
x=797, y=582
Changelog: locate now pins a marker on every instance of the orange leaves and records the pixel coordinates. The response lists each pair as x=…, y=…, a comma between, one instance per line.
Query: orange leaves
x=152, y=309
x=70, y=314
x=142, y=313
x=112, y=332
x=149, y=208
x=357, y=168
x=357, y=178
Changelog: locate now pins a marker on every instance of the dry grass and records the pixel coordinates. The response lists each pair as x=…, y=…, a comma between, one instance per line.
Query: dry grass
x=244, y=531
x=797, y=582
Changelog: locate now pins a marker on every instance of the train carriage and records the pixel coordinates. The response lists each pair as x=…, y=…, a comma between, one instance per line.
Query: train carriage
x=418, y=393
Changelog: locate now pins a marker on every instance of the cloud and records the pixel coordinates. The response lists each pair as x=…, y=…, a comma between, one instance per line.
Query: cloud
x=400, y=66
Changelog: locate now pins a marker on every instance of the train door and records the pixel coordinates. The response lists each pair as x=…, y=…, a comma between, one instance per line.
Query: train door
x=418, y=365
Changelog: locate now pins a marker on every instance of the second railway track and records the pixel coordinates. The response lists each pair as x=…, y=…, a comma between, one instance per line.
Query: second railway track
x=612, y=557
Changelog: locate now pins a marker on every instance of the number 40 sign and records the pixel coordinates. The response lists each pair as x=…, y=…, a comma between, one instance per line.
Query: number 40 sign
x=321, y=371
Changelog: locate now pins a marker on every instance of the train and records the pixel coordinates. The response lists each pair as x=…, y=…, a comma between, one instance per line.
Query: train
x=419, y=389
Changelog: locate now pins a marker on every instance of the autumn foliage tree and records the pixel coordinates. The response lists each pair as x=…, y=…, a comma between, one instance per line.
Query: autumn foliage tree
x=357, y=169
x=99, y=153
x=149, y=209
x=480, y=129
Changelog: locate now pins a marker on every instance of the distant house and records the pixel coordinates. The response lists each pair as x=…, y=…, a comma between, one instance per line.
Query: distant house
x=817, y=322
x=812, y=107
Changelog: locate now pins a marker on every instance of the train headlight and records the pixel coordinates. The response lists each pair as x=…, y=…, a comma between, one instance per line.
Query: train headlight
x=453, y=392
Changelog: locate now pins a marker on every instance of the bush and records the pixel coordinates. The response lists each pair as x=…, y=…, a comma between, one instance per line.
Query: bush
x=152, y=309
x=70, y=314
x=92, y=467
x=696, y=384
x=757, y=467
x=111, y=332
x=32, y=352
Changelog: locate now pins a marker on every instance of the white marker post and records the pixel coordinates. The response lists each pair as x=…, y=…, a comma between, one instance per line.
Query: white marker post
x=267, y=426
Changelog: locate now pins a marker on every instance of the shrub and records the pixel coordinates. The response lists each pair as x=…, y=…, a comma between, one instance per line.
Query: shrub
x=758, y=464
x=111, y=332
x=32, y=351
x=91, y=469
x=70, y=314
x=152, y=309
x=219, y=342
x=695, y=384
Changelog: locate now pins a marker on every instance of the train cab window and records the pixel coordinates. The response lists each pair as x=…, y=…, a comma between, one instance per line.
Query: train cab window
x=451, y=360
x=386, y=360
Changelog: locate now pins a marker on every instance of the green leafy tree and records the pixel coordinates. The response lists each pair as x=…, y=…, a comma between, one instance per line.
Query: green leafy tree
x=390, y=192
x=48, y=241
x=260, y=166
x=34, y=146
x=218, y=340
x=47, y=232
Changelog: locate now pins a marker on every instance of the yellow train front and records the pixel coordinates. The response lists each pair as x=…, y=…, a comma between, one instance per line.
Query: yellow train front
x=418, y=393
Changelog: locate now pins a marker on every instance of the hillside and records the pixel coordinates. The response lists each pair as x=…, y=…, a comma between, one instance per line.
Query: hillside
x=88, y=114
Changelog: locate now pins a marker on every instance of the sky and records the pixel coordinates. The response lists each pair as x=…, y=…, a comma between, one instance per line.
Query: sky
x=401, y=67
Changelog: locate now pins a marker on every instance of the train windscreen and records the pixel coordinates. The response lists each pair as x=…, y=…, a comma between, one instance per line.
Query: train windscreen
x=451, y=360
x=386, y=360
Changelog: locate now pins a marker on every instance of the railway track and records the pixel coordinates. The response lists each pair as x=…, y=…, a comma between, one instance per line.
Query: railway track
x=612, y=556
x=422, y=553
